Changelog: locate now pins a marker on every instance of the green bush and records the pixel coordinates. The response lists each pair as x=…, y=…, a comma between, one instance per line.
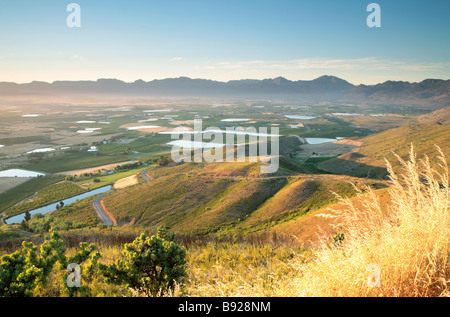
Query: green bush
x=164, y=161
x=150, y=265
x=26, y=272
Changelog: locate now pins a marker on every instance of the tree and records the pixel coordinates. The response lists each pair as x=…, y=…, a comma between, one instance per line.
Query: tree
x=60, y=205
x=24, y=225
x=163, y=161
x=149, y=264
x=27, y=216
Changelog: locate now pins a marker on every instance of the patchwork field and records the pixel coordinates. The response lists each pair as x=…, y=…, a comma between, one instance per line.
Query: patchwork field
x=6, y=183
x=91, y=143
x=106, y=162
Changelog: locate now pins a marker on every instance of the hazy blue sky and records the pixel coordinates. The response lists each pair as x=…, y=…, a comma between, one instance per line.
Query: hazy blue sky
x=224, y=40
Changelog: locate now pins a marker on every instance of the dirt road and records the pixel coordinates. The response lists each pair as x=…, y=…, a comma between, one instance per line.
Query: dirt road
x=101, y=211
x=144, y=175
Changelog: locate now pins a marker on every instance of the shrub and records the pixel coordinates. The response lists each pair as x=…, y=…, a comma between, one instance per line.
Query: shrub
x=149, y=265
x=164, y=161
x=26, y=272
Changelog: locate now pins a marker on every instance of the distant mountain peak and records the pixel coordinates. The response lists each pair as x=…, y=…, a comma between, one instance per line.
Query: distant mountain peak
x=280, y=80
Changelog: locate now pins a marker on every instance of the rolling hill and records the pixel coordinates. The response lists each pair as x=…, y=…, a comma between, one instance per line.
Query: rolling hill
x=430, y=130
x=200, y=198
x=431, y=92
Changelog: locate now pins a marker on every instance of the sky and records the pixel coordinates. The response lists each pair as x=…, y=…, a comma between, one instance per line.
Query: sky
x=224, y=40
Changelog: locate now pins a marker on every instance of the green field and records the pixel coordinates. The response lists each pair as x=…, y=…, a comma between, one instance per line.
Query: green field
x=370, y=160
x=25, y=190
x=76, y=161
x=218, y=197
x=47, y=195
x=109, y=179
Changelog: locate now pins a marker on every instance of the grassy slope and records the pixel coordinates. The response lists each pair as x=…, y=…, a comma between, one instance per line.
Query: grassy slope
x=379, y=146
x=299, y=197
x=189, y=203
x=109, y=179
x=442, y=116
x=202, y=198
x=307, y=228
x=80, y=212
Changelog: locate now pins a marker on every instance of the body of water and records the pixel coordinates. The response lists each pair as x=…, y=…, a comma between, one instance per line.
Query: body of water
x=235, y=120
x=347, y=114
x=299, y=117
x=52, y=207
x=19, y=173
x=144, y=127
x=195, y=145
x=148, y=120
x=319, y=140
x=42, y=150
x=177, y=132
x=158, y=110
x=218, y=131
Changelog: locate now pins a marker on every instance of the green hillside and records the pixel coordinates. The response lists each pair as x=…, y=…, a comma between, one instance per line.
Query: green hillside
x=203, y=198
x=297, y=198
x=369, y=160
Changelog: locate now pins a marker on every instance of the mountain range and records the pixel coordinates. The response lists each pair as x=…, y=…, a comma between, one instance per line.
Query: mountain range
x=428, y=92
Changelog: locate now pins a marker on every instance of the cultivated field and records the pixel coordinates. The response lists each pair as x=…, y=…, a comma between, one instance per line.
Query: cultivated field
x=7, y=183
x=232, y=219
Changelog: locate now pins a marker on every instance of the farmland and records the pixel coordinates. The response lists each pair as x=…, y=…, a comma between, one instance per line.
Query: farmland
x=232, y=219
x=90, y=138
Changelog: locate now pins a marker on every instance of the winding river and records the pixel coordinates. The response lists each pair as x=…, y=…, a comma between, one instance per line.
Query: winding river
x=52, y=207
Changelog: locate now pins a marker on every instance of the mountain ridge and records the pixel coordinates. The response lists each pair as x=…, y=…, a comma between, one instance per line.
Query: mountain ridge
x=426, y=92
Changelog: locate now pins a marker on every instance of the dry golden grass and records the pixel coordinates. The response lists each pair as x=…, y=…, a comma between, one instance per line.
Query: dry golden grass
x=310, y=228
x=408, y=243
x=94, y=169
x=126, y=182
x=398, y=250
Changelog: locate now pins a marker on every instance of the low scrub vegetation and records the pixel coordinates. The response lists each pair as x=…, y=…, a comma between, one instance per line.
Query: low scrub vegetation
x=395, y=249
x=148, y=266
